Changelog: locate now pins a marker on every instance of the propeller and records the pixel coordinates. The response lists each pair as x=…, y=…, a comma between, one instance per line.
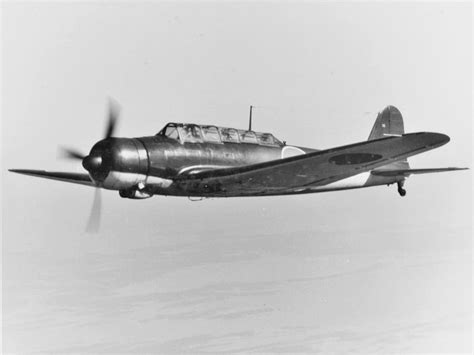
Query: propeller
x=112, y=118
x=71, y=154
x=113, y=113
x=93, y=223
x=93, y=163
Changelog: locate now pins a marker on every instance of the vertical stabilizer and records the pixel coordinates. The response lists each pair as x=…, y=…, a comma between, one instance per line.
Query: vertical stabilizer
x=388, y=122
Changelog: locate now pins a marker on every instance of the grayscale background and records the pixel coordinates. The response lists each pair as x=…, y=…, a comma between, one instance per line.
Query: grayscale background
x=355, y=271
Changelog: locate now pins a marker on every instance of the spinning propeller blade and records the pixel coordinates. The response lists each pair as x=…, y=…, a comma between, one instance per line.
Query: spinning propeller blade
x=93, y=163
x=113, y=113
x=93, y=223
x=71, y=154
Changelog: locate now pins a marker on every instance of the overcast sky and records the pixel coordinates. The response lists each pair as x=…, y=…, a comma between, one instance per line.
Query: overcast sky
x=362, y=270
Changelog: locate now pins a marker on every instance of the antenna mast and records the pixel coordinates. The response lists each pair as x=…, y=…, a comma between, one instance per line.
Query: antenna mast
x=250, y=118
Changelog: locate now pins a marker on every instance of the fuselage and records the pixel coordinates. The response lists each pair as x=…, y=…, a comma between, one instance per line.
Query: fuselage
x=144, y=166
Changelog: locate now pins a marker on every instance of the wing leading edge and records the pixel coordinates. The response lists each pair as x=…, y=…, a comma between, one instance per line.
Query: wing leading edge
x=311, y=170
x=75, y=178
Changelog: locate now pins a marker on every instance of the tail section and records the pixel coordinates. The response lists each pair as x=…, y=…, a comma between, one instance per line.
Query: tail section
x=389, y=122
x=407, y=172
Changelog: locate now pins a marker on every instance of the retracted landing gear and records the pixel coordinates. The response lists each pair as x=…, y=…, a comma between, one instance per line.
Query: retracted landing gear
x=401, y=190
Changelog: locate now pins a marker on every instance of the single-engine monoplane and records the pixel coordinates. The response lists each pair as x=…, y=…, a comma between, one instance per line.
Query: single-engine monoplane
x=201, y=161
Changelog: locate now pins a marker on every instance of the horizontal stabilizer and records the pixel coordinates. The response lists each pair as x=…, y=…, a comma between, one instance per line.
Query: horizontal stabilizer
x=75, y=178
x=406, y=172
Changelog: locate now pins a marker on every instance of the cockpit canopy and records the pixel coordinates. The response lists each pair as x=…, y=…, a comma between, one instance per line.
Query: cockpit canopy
x=193, y=133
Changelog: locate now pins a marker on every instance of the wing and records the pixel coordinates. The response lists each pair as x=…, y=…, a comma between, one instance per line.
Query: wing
x=303, y=172
x=75, y=178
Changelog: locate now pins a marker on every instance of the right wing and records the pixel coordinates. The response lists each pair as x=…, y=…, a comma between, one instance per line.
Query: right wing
x=76, y=178
x=303, y=172
x=294, y=174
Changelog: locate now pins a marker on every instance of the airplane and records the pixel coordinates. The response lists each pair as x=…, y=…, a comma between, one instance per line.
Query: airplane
x=207, y=161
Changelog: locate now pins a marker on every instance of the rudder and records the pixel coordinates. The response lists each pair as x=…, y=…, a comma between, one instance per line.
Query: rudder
x=388, y=122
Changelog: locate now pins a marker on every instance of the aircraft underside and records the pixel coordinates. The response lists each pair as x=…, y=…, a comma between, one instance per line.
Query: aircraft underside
x=362, y=180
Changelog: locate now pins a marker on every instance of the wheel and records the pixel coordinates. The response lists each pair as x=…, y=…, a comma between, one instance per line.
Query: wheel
x=401, y=190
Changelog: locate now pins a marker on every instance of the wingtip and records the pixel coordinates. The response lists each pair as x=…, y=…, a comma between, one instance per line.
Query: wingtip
x=442, y=138
x=446, y=137
x=22, y=171
x=438, y=139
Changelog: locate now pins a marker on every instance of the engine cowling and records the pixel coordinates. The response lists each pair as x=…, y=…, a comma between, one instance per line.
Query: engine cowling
x=118, y=163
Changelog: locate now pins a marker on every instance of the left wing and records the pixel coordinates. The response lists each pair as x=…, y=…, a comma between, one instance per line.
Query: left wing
x=303, y=172
x=75, y=178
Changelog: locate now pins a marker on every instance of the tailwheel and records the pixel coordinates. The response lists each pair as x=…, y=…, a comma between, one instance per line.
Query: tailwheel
x=402, y=192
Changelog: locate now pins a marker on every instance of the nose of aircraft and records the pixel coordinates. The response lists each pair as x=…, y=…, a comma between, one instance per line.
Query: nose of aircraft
x=117, y=158
x=92, y=163
x=99, y=160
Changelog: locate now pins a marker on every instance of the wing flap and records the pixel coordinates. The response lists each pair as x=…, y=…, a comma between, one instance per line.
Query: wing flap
x=312, y=169
x=75, y=178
